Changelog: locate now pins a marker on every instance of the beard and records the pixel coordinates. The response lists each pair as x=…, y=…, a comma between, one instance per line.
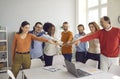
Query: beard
x=65, y=29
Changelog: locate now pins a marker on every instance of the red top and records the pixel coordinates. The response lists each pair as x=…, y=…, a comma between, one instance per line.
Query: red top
x=109, y=41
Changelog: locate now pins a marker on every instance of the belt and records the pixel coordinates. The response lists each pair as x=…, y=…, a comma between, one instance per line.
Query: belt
x=22, y=52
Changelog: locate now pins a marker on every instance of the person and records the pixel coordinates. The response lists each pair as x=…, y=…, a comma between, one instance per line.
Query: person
x=21, y=48
x=49, y=49
x=94, y=45
x=36, y=50
x=66, y=38
x=109, y=38
x=81, y=48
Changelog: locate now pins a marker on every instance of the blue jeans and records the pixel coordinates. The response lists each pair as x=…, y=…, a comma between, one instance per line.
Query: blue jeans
x=68, y=57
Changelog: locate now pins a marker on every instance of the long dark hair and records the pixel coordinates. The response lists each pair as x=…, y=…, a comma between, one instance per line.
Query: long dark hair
x=23, y=24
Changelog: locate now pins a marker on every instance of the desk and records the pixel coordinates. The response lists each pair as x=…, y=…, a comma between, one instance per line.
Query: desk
x=60, y=72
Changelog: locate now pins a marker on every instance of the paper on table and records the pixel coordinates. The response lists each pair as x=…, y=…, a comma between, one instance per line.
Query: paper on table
x=52, y=69
x=94, y=71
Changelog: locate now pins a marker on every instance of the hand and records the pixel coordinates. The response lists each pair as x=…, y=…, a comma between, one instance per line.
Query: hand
x=60, y=43
x=52, y=42
x=75, y=41
x=67, y=43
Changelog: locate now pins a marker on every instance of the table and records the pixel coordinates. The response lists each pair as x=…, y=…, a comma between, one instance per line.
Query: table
x=60, y=72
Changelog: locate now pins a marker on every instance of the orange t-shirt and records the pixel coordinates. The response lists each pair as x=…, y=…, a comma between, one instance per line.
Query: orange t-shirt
x=23, y=45
x=66, y=36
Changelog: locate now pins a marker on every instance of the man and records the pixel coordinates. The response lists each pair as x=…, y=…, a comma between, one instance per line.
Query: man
x=109, y=38
x=37, y=46
x=66, y=38
x=81, y=48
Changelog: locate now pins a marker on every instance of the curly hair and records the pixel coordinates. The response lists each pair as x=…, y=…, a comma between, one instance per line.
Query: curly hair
x=47, y=26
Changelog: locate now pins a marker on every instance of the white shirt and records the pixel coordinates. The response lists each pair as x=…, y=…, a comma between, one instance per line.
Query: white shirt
x=50, y=49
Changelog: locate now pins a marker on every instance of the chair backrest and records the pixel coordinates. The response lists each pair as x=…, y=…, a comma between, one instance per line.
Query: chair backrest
x=92, y=63
x=58, y=60
x=114, y=69
x=9, y=72
x=36, y=63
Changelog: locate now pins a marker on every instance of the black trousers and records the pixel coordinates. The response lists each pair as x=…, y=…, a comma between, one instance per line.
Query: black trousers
x=94, y=57
x=48, y=60
x=81, y=57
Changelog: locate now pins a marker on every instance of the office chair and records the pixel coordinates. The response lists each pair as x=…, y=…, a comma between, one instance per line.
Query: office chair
x=114, y=69
x=58, y=60
x=11, y=75
x=36, y=63
x=92, y=63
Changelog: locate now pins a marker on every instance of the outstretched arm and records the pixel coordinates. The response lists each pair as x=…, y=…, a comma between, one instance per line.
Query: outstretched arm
x=87, y=37
x=43, y=39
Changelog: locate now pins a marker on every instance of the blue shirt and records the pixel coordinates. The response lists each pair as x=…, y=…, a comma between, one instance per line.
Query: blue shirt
x=36, y=47
x=82, y=46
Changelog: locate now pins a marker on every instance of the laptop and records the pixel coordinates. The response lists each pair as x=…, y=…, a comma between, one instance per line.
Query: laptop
x=76, y=72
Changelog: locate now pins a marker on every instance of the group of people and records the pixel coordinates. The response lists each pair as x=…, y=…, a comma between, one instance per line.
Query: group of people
x=28, y=45
x=101, y=45
x=109, y=40
x=90, y=49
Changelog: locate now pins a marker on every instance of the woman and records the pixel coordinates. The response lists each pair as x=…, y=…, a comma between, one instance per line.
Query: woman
x=36, y=50
x=49, y=49
x=21, y=47
x=94, y=46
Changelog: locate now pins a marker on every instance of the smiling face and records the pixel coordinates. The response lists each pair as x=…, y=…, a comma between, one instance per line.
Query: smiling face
x=38, y=28
x=92, y=28
x=81, y=29
x=25, y=29
x=65, y=27
x=51, y=30
x=103, y=23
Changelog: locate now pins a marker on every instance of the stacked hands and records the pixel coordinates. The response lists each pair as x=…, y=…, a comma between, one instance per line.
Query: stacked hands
x=60, y=43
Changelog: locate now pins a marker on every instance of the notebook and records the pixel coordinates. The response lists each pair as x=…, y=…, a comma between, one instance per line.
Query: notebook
x=76, y=72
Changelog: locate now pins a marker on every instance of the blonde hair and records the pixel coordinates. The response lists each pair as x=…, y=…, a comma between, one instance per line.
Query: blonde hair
x=95, y=25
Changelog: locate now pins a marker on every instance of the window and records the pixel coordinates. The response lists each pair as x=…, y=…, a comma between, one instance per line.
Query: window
x=103, y=1
x=92, y=3
x=96, y=9
x=90, y=10
x=93, y=15
x=103, y=11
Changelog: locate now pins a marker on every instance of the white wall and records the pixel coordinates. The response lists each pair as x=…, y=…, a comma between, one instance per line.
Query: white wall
x=81, y=13
x=114, y=11
x=13, y=12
